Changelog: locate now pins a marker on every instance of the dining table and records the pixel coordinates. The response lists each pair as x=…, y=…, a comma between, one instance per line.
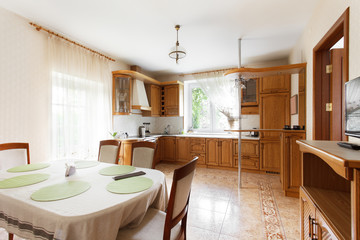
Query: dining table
x=96, y=213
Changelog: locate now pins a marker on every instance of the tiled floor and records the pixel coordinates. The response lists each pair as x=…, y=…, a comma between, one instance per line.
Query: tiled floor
x=220, y=211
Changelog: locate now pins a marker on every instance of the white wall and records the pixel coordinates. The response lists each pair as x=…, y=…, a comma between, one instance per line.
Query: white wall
x=325, y=15
x=25, y=86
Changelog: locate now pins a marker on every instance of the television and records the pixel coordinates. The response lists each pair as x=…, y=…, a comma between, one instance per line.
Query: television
x=352, y=108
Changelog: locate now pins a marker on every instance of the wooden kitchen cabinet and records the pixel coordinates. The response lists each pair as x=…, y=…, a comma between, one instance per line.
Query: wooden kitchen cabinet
x=250, y=94
x=212, y=152
x=275, y=83
x=172, y=100
x=291, y=163
x=270, y=155
x=225, y=152
x=168, y=148
x=219, y=152
x=153, y=93
x=249, y=154
x=121, y=97
x=198, y=149
x=274, y=113
x=182, y=149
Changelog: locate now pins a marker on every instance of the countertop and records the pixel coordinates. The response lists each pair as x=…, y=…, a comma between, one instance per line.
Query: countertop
x=226, y=136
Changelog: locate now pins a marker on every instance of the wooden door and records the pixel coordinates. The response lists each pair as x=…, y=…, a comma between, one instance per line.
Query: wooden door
x=157, y=155
x=182, y=149
x=225, y=152
x=275, y=83
x=274, y=112
x=270, y=155
x=168, y=148
x=212, y=157
x=336, y=94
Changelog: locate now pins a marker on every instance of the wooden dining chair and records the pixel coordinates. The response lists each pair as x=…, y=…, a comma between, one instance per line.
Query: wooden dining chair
x=143, y=154
x=12, y=155
x=160, y=225
x=109, y=151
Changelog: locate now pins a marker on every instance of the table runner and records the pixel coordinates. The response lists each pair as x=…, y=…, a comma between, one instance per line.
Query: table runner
x=94, y=214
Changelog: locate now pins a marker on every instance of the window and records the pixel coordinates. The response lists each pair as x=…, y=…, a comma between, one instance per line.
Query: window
x=74, y=113
x=202, y=115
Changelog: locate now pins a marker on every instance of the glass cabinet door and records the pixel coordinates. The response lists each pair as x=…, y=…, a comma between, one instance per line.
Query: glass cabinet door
x=121, y=94
x=250, y=93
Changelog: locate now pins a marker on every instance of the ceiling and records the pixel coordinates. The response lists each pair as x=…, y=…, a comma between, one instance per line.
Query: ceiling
x=141, y=32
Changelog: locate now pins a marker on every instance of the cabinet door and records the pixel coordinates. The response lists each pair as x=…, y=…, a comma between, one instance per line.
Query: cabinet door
x=249, y=94
x=121, y=104
x=274, y=113
x=275, y=83
x=270, y=156
x=291, y=173
x=168, y=148
x=172, y=96
x=307, y=217
x=247, y=162
x=182, y=149
x=197, y=145
x=225, y=152
x=212, y=152
x=157, y=155
x=250, y=148
x=155, y=100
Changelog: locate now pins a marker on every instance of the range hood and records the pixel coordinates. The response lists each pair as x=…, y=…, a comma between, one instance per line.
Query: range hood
x=139, y=98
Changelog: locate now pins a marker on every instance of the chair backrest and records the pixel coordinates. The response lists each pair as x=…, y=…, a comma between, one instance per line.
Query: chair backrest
x=14, y=154
x=109, y=151
x=143, y=154
x=179, y=199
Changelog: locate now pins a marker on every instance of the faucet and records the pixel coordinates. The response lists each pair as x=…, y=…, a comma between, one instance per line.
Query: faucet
x=167, y=129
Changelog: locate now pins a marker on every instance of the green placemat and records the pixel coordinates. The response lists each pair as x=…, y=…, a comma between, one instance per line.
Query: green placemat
x=60, y=191
x=130, y=185
x=85, y=164
x=24, y=180
x=116, y=170
x=29, y=167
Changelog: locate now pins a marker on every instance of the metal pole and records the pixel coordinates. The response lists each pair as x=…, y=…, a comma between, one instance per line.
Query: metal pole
x=239, y=138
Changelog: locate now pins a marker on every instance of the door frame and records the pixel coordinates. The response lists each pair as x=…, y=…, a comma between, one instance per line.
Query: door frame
x=337, y=31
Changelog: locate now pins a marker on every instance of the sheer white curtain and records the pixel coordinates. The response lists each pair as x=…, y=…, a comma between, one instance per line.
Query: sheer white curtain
x=81, y=100
x=221, y=91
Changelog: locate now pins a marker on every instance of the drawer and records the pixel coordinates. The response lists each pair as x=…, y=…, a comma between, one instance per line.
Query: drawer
x=248, y=162
x=248, y=148
x=197, y=140
x=201, y=157
x=197, y=148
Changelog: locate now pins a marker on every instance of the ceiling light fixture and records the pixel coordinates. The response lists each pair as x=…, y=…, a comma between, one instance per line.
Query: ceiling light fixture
x=177, y=52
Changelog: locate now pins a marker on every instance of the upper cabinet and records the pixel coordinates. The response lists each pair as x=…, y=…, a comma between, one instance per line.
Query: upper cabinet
x=153, y=93
x=275, y=83
x=122, y=89
x=172, y=100
x=249, y=94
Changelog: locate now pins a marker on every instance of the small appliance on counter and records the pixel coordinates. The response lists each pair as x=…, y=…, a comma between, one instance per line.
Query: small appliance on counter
x=254, y=133
x=142, y=131
x=147, y=131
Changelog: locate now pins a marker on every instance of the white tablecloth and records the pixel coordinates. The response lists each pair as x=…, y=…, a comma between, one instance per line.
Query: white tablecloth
x=95, y=214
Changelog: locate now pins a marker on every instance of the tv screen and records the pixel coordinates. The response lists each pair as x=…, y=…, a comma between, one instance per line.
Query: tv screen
x=352, y=108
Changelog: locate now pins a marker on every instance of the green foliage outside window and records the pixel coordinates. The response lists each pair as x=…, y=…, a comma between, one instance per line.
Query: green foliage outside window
x=199, y=108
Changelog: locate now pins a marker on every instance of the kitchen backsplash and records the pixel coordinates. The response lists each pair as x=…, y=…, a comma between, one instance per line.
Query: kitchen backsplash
x=131, y=123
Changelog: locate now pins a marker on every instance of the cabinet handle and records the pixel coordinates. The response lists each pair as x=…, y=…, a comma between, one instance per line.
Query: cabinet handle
x=313, y=229
x=310, y=226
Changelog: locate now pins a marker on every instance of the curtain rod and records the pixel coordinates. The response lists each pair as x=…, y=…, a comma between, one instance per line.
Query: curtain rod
x=39, y=28
x=218, y=70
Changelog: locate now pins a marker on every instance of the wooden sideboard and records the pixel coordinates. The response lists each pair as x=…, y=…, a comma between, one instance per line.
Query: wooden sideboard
x=330, y=191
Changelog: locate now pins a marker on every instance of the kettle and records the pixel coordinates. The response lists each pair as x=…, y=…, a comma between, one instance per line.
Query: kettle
x=142, y=131
x=254, y=133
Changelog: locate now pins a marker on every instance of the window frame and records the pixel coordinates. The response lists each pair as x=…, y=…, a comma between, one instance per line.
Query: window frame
x=188, y=114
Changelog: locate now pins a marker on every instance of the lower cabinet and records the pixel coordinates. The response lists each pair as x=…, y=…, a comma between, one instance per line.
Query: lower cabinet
x=168, y=145
x=313, y=224
x=291, y=163
x=249, y=154
x=270, y=155
x=219, y=152
x=182, y=149
x=198, y=149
